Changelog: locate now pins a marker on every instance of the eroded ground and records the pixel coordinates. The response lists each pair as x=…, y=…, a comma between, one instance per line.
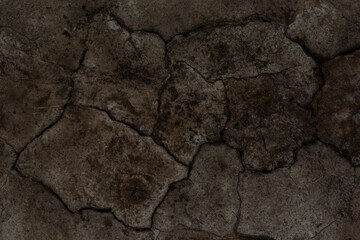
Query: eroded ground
x=176, y=120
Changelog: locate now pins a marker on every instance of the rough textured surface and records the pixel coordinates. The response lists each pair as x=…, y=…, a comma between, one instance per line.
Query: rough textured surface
x=347, y=226
x=201, y=235
x=208, y=200
x=337, y=106
x=195, y=108
x=7, y=156
x=37, y=214
x=266, y=122
x=343, y=228
x=159, y=120
x=32, y=93
x=185, y=15
x=326, y=29
x=240, y=51
x=122, y=73
x=299, y=202
x=57, y=29
x=185, y=234
x=99, y=163
x=29, y=211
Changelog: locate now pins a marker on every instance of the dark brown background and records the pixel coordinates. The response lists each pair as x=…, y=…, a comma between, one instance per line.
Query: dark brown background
x=177, y=119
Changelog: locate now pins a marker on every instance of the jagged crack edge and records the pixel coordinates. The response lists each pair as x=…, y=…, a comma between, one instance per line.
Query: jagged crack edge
x=133, y=128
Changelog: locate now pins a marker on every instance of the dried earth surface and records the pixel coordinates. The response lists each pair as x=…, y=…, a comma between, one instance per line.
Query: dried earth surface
x=179, y=120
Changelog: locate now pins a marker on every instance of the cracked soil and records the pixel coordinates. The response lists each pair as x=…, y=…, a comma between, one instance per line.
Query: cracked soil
x=179, y=120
